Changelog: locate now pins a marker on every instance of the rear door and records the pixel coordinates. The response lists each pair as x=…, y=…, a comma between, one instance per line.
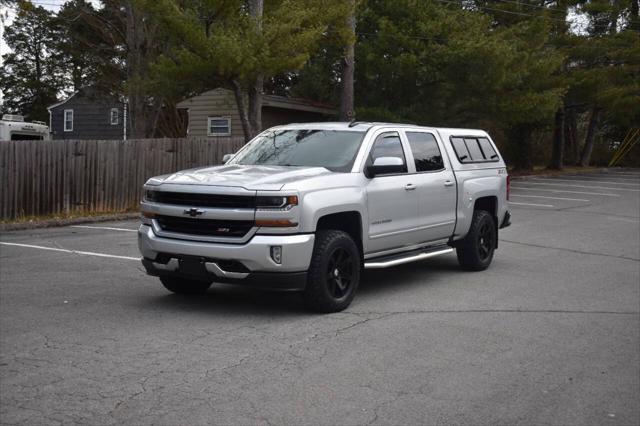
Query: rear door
x=391, y=199
x=435, y=186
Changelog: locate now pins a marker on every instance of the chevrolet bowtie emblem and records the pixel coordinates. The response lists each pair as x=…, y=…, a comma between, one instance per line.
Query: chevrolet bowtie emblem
x=193, y=212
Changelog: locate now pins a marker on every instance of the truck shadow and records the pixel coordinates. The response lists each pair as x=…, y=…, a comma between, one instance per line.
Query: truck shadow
x=233, y=300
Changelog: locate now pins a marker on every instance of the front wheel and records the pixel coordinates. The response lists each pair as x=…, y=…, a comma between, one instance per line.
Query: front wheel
x=475, y=251
x=334, y=272
x=184, y=285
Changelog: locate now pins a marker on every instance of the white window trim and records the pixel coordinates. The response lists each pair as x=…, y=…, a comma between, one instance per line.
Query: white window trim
x=64, y=120
x=218, y=118
x=117, y=111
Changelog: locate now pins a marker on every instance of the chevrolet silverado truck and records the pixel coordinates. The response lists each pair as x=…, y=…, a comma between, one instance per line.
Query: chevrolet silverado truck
x=309, y=206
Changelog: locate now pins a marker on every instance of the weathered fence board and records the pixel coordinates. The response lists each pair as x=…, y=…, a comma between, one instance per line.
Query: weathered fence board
x=86, y=176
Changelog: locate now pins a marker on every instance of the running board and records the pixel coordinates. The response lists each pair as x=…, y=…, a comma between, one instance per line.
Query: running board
x=399, y=259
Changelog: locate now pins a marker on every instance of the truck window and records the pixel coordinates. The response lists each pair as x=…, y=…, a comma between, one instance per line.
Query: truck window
x=426, y=153
x=487, y=149
x=388, y=145
x=461, y=150
x=474, y=150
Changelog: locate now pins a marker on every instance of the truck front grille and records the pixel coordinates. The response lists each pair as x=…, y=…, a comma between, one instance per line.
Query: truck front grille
x=205, y=227
x=203, y=200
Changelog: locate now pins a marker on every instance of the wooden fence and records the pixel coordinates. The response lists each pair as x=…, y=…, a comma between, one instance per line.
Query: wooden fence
x=40, y=178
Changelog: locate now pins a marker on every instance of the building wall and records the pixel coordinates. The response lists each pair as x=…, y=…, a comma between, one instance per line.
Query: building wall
x=222, y=103
x=91, y=119
x=214, y=103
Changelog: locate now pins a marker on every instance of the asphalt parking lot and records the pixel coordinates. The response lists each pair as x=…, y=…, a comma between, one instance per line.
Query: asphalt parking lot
x=550, y=334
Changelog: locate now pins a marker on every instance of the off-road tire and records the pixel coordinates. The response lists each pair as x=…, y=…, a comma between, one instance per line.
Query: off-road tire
x=320, y=292
x=474, y=252
x=184, y=285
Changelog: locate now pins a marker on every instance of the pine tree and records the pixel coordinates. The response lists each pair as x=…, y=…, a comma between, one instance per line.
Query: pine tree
x=31, y=76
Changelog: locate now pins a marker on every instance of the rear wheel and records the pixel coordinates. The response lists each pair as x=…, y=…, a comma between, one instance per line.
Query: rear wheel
x=184, y=285
x=334, y=272
x=475, y=252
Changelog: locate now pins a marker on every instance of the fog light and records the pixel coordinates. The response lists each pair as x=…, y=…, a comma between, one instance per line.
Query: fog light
x=276, y=254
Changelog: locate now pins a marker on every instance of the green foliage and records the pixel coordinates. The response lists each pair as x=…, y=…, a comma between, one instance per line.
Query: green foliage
x=217, y=41
x=428, y=64
x=32, y=74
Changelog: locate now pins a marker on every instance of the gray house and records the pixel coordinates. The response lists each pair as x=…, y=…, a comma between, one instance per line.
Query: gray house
x=87, y=114
x=215, y=114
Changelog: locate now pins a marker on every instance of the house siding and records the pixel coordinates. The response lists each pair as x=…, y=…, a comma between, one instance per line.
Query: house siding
x=214, y=103
x=222, y=103
x=91, y=119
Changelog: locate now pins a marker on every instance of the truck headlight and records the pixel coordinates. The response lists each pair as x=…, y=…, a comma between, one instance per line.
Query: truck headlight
x=278, y=202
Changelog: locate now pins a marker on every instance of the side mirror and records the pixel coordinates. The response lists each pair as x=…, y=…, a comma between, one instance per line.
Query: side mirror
x=384, y=165
x=226, y=158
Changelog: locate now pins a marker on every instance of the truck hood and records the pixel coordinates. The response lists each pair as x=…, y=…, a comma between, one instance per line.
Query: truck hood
x=270, y=178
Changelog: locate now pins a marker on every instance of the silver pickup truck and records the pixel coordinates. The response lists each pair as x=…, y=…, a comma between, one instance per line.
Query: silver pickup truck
x=309, y=206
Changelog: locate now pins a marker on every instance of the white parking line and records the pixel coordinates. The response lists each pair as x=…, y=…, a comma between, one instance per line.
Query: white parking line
x=84, y=253
x=528, y=204
x=550, y=198
x=587, y=181
x=107, y=228
x=560, y=191
x=581, y=186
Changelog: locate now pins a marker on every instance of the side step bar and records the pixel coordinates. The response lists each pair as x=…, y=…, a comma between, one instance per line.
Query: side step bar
x=399, y=259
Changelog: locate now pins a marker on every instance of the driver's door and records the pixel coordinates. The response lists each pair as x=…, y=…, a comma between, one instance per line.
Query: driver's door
x=391, y=199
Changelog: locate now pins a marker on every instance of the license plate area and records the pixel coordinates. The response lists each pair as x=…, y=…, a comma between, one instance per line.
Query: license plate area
x=192, y=267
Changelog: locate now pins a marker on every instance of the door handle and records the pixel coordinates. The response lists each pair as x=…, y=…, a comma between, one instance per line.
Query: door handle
x=410, y=187
x=448, y=183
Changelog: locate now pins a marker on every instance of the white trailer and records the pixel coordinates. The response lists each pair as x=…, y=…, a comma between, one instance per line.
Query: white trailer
x=14, y=128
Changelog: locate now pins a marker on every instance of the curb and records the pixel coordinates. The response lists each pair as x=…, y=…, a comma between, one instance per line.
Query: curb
x=559, y=173
x=51, y=223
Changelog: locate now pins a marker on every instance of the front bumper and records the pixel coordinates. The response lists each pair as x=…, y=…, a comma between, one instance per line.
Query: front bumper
x=168, y=256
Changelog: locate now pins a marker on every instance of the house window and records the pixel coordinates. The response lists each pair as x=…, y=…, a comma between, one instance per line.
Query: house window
x=68, y=120
x=218, y=126
x=115, y=116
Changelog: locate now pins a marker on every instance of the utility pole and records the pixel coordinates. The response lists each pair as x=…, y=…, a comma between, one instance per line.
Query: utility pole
x=347, y=112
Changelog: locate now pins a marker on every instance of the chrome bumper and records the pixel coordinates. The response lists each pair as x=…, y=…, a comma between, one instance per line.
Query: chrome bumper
x=254, y=254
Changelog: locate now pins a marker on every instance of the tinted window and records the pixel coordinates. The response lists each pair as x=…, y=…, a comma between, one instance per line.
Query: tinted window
x=471, y=149
x=461, y=150
x=474, y=149
x=487, y=149
x=426, y=153
x=388, y=145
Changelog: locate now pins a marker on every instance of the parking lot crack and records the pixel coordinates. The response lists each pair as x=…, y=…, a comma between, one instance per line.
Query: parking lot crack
x=570, y=250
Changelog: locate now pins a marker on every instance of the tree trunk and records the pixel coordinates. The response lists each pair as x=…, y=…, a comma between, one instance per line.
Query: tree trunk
x=255, y=105
x=242, y=110
x=589, y=140
x=136, y=99
x=558, y=141
x=634, y=18
x=348, y=66
x=570, y=137
x=256, y=9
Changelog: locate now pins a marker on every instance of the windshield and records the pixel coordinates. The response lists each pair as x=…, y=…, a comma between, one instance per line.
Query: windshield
x=333, y=149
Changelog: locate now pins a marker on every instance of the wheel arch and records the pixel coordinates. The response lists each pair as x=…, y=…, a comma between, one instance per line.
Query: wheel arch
x=349, y=221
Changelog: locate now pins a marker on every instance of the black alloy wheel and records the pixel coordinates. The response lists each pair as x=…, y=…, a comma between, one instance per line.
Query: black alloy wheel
x=486, y=241
x=334, y=272
x=476, y=250
x=340, y=273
